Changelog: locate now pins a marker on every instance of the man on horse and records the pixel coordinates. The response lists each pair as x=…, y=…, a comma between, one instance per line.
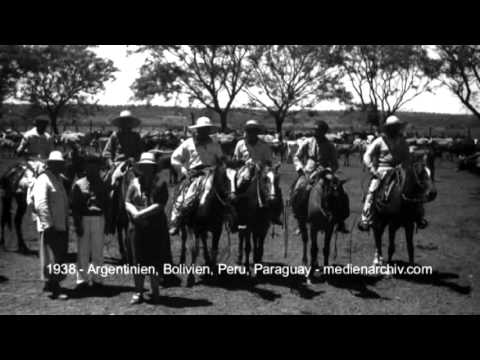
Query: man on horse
x=382, y=155
x=193, y=155
x=313, y=153
x=36, y=145
x=255, y=153
x=124, y=143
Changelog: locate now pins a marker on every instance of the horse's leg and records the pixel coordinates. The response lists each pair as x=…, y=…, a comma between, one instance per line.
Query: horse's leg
x=409, y=238
x=241, y=240
x=313, y=246
x=326, y=244
x=183, y=251
x=248, y=248
x=391, y=241
x=120, y=239
x=6, y=216
x=206, y=255
x=20, y=213
x=215, y=241
x=302, y=226
x=195, y=249
x=377, y=233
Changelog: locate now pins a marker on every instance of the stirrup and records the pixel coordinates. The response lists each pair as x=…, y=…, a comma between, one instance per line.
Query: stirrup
x=363, y=226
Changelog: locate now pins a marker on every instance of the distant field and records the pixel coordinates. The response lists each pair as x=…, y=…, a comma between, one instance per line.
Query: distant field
x=175, y=117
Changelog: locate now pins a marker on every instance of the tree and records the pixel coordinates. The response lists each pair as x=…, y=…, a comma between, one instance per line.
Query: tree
x=288, y=76
x=460, y=72
x=14, y=60
x=386, y=77
x=64, y=75
x=211, y=75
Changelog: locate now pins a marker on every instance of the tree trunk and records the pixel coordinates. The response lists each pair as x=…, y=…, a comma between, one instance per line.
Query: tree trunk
x=279, y=123
x=53, y=122
x=223, y=121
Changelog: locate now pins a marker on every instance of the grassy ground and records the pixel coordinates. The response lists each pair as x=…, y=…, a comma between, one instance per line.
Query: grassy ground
x=450, y=245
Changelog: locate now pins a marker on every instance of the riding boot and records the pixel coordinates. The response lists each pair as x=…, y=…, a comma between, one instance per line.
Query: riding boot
x=341, y=227
x=422, y=223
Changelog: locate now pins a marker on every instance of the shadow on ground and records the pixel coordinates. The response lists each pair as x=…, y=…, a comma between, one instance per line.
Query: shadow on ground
x=357, y=284
x=295, y=283
x=437, y=278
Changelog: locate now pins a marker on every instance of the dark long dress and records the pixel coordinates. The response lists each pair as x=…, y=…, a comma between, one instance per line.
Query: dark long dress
x=149, y=241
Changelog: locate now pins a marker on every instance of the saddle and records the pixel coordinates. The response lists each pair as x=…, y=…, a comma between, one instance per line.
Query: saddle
x=388, y=196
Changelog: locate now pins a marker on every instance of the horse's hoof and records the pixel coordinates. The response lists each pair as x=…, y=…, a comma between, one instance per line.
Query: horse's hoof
x=191, y=281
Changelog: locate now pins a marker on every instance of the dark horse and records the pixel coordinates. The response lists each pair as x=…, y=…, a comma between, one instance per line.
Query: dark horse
x=322, y=206
x=208, y=216
x=253, y=204
x=117, y=180
x=399, y=203
x=15, y=184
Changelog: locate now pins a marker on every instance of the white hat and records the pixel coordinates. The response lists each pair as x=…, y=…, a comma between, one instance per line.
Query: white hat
x=55, y=156
x=252, y=124
x=126, y=119
x=202, y=122
x=393, y=120
x=147, y=158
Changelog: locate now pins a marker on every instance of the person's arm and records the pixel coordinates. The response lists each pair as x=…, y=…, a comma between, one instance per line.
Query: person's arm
x=299, y=155
x=76, y=203
x=40, y=201
x=129, y=207
x=110, y=148
x=180, y=158
x=237, y=155
x=370, y=154
x=160, y=198
x=23, y=145
x=334, y=158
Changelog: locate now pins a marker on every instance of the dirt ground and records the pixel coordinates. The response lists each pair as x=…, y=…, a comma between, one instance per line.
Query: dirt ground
x=451, y=245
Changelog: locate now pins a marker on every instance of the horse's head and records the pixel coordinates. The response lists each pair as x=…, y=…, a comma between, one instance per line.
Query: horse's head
x=269, y=180
x=418, y=181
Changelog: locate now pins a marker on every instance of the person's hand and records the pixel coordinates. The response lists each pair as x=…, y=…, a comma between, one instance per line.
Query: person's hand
x=79, y=230
x=300, y=172
x=375, y=173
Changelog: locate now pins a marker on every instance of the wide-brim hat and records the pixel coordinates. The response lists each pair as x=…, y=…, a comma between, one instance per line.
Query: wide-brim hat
x=147, y=158
x=394, y=121
x=126, y=119
x=42, y=119
x=55, y=156
x=253, y=125
x=203, y=122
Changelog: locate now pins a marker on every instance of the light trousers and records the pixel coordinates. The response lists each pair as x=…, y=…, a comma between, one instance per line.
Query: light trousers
x=374, y=184
x=90, y=248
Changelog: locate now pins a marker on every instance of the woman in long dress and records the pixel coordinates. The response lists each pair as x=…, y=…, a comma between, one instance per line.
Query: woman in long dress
x=148, y=240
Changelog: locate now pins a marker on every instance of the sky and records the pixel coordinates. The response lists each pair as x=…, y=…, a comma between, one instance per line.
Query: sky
x=118, y=91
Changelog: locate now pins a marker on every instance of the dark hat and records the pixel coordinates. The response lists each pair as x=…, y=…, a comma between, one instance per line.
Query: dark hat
x=41, y=119
x=322, y=126
x=126, y=119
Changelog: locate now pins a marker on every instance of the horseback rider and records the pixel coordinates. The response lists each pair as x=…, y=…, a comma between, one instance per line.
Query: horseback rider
x=124, y=143
x=313, y=153
x=36, y=142
x=382, y=155
x=189, y=159
x=254, y=153
x=36, y=145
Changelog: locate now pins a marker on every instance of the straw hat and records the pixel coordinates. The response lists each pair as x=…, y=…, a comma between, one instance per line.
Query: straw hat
x=126, y=119
x=253, y=124
x=393, y=120
x=203, y=122
x=55, y=156
x=147, y=158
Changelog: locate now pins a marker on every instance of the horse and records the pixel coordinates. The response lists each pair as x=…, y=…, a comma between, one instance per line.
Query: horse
x=322, y=205
x=117, y=180
x=207, y=216
x=254, y=199
x=16, y=184
x=398, y=202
